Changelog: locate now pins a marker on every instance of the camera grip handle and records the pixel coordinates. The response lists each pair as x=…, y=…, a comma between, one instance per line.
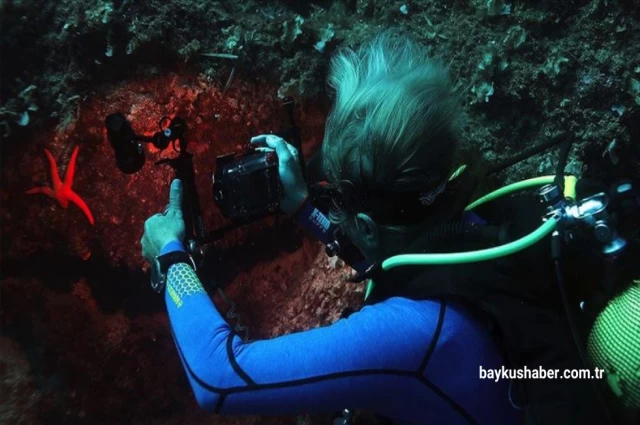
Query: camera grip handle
x=191, y=210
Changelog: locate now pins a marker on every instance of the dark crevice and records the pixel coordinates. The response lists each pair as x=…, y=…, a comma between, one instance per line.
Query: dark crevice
x=520, y=114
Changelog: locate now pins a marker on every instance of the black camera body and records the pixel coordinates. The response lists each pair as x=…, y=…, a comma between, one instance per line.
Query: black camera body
x=246, y=185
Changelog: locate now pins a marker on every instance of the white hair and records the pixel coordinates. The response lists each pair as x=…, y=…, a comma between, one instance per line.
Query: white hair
x=393, y=122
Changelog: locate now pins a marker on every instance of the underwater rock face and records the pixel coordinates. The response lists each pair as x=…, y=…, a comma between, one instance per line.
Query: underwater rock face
x=78, y=295
x=84, y=339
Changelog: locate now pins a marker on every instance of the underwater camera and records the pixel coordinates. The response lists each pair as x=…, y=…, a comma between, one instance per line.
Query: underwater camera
x=247, y=184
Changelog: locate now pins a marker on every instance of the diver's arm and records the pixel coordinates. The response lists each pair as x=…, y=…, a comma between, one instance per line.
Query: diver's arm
x=356, y=362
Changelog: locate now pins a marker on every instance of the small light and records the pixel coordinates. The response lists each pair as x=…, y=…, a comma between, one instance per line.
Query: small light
x=625, y=187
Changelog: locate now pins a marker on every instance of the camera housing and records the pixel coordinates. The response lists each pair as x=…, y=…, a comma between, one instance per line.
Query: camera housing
x=246, y=185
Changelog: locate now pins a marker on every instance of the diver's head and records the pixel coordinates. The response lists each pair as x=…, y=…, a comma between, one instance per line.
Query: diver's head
x=390, y=142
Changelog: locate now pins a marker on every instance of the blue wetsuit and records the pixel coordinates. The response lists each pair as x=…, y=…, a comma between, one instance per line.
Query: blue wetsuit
x=416, y=362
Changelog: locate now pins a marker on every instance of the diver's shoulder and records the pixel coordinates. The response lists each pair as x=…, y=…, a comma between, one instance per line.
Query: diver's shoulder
x=407, y=315
x=456, y=315
x=426, y=304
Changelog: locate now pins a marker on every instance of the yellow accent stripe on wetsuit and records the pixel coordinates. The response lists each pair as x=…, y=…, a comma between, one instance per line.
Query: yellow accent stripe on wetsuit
x=182, y=282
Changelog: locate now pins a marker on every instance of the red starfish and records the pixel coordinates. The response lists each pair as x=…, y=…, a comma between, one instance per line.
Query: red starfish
x=62, y=192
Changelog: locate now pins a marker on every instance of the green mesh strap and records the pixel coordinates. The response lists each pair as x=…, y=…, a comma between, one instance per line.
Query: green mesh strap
x=614, y=345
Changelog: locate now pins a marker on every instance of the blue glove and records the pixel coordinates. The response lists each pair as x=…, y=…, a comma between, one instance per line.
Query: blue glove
x=293, y=185
x=164, y=227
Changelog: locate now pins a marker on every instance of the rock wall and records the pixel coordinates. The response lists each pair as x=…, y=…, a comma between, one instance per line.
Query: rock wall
x=83, y=337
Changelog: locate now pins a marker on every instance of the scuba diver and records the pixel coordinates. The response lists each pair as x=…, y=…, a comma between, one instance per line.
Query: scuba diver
x=390, y=168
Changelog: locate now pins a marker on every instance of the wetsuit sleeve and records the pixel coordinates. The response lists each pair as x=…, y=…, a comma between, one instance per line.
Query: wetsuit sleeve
x=356, y=362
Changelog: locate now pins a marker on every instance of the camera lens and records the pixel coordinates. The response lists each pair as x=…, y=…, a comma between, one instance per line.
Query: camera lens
x=129, y=153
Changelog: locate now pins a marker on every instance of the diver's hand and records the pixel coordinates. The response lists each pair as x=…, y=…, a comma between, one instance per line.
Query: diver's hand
x=293, y=185
x=164, y=227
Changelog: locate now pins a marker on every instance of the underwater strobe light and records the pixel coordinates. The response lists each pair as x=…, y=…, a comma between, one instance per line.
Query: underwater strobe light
x=128, y=145
x=614, y=345
x=123, y=140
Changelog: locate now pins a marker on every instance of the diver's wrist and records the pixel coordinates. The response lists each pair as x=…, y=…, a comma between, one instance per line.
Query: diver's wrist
x=301, y=202
x=171, y=246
